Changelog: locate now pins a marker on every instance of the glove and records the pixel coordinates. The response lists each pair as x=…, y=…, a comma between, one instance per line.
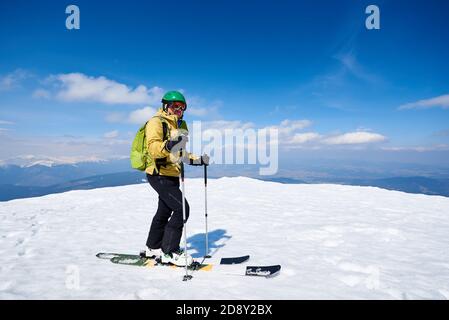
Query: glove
x=180, y=143
x=205, y=160
x=202, y=161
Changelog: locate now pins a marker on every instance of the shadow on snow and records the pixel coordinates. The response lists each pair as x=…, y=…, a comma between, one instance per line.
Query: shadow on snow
x=197, y=242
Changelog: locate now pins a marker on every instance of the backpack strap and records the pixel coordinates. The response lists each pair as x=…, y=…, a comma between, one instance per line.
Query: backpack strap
x=164, y=128
x=161, y=162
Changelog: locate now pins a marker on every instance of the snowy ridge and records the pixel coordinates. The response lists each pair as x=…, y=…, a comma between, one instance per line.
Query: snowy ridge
x=333, y=242
x=27, y=161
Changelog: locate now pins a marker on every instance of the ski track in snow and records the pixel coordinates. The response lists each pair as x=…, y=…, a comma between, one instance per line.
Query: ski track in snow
x=333, y=242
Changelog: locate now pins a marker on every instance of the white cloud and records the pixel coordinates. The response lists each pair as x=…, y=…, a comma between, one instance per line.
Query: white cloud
x=140, y=116
x=295, y=124
x=111, y=134
x=77, y=148
x=300, y=138
x=440, y=101
x=12, y=80
x=355, y=138
x=27, y=160
x=287, y=131
x=199, y=107
x=80, y=87
x=288, y=127
x=290, y=137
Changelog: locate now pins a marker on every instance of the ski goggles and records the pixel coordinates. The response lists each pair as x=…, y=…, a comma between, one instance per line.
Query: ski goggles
x=178, y=106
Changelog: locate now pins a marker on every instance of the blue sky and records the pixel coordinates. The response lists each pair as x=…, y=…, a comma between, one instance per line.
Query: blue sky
x=255, y=63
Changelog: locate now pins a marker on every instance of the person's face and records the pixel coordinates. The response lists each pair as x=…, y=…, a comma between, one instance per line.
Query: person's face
x=177, y=108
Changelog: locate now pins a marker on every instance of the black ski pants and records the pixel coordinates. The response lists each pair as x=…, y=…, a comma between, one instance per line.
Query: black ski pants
x=166, y=227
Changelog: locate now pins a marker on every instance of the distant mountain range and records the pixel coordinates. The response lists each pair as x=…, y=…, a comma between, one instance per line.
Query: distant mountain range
x=37, y=180
x=424, y=185
x=9, y=192
x=40, y=175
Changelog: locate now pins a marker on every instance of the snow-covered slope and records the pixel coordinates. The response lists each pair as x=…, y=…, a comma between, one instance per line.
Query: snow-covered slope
x=332, y=242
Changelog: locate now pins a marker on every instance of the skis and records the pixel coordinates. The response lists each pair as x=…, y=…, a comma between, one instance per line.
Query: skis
x=234, y=260
x=141, y=261
x=260, y=271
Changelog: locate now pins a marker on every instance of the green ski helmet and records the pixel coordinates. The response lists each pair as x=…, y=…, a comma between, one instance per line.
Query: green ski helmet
x=172, y=96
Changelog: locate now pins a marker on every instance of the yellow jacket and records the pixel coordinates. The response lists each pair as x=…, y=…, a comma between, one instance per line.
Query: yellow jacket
x=162, y=162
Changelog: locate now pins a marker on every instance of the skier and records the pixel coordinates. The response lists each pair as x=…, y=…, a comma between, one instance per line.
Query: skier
x=166, y=135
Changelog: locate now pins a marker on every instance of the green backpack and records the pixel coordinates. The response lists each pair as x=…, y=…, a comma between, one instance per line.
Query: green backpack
x=139, y=152
x=140, y=159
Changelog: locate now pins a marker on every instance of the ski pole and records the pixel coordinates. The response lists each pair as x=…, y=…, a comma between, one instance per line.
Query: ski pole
x=205, y=212
x=187, y=276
